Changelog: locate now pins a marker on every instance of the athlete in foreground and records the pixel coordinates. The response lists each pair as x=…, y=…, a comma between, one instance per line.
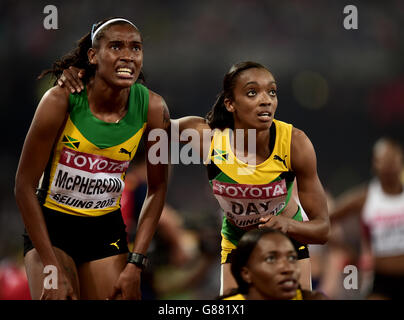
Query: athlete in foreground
x=81, y=144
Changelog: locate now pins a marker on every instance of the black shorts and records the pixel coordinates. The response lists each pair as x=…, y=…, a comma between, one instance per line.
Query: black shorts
x=84, y=238
x=389, y=286
x=301, y=249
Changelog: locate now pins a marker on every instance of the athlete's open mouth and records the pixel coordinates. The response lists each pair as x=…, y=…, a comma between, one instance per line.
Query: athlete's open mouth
x=265, y=116
x=288, y=284
x=125, y=72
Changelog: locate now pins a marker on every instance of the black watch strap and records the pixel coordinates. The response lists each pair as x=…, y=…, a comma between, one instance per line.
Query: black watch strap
x=138, y=259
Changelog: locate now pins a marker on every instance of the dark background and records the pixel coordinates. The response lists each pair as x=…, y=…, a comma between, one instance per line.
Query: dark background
x=344, y=88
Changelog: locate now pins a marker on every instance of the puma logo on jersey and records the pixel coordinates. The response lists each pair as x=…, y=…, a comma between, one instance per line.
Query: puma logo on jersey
x=276, y=157
x=115, y=244
x=302, y=248
x=124, y=151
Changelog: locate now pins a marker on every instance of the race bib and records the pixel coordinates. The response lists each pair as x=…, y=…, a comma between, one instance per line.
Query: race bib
x=388, y=235
x=245, y=204
x=87, y=181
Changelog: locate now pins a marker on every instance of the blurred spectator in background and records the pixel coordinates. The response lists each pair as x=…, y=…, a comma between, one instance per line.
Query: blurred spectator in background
x=381, y=206
x=13, y=279
x=328, y=261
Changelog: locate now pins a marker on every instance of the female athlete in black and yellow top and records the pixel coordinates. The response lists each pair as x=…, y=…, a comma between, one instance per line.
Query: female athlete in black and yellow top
x=254, y=188
x=257, y=191
x=82, y=144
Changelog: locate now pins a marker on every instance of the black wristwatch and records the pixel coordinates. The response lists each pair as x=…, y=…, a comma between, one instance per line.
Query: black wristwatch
x=138, y=259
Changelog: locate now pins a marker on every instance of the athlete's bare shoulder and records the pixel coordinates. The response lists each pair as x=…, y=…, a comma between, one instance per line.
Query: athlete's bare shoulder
x=57, y=93
x=299, y=136
x=54, y=104
x=158, y=114
x=303, y=155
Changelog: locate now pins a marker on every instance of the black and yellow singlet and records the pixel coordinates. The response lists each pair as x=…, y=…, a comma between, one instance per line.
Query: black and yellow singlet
x=86, y=170
x=248, y=192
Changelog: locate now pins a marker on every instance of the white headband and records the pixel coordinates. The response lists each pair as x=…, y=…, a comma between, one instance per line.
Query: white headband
x=94, y=33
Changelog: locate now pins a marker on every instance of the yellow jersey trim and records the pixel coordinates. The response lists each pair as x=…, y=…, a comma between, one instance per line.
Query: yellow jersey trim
x=221, y=154
x=72, y=142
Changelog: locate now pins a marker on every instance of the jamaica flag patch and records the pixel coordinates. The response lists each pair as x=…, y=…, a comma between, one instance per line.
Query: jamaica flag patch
x=219, y=154
x=70, y=142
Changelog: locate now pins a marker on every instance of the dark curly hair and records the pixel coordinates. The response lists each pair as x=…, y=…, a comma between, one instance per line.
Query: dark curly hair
x=78, y=56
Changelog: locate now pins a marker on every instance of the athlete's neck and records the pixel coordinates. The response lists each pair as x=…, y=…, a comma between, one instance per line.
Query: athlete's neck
x=260, y=138
x=103, y=98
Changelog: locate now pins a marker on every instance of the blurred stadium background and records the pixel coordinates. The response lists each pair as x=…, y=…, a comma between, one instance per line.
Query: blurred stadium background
x=344, y=88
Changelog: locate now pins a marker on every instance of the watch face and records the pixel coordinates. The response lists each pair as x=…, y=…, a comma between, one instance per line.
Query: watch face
x=138, y=259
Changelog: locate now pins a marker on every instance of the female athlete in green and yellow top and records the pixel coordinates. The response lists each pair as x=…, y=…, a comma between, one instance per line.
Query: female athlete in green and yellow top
x=82, y=144
x=254, y=188
x=85, y=175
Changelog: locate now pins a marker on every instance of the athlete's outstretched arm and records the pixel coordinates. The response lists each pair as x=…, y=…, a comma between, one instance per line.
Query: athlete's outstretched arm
x=350, y=203
x=48, y=120
x=311, y=193
x=71, y=79
x=157, y=179
x=194, y=130
x=191, y=122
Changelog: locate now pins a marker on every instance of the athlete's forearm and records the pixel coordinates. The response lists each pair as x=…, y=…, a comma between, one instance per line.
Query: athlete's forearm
x=340, y=213
x=315, y=231
x=149, y=218
x=349, y=204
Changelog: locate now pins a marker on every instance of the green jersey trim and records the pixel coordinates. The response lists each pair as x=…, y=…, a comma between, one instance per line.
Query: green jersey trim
x=99, y=132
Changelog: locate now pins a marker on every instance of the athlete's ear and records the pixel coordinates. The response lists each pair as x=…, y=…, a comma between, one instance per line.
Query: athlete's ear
x=245, y=274
x=92, y=57
x=228, y=103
